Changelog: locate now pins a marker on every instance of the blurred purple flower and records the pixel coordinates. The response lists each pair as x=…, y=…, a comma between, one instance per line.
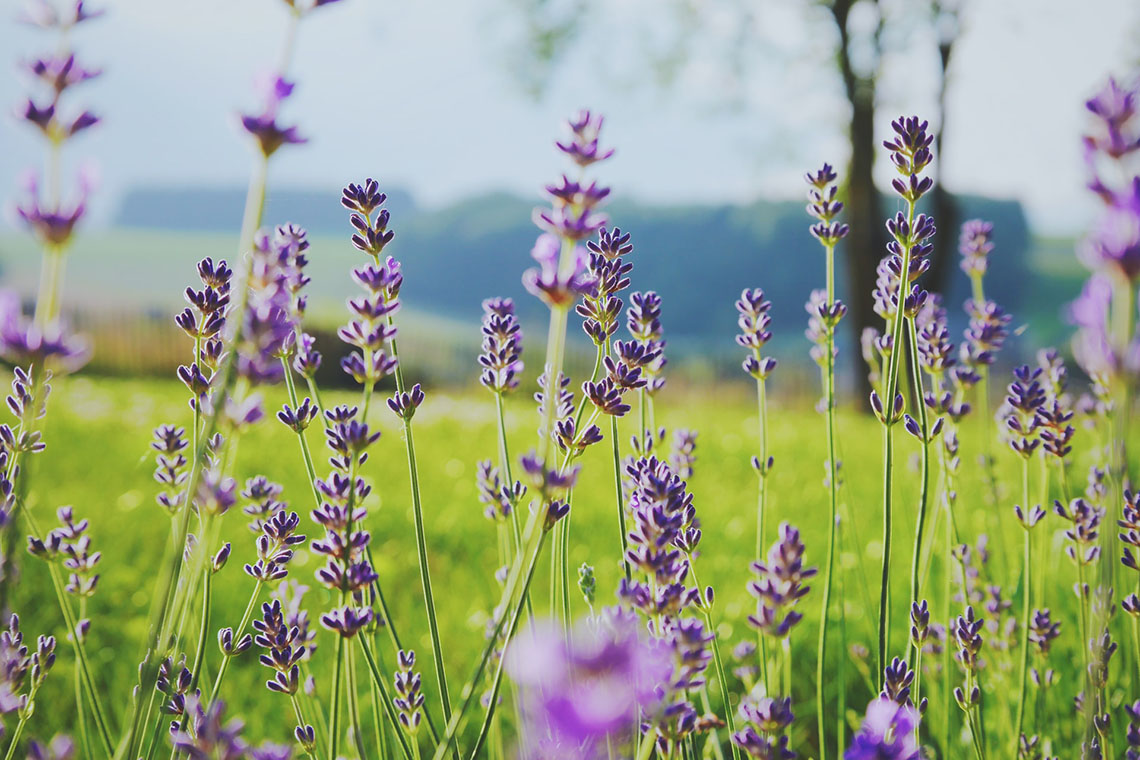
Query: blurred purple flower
x=263, y=126
x=590, y=688
x=888, y=733
x=24, y=343
x=554, y=282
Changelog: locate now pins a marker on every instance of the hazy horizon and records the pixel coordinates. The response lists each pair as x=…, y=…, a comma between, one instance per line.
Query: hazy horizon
x=447, y=119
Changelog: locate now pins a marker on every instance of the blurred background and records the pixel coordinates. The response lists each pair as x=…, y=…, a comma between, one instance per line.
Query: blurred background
x=716, y=108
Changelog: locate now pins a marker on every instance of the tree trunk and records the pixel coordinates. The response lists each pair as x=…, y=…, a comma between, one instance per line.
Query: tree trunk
x=943, y=207
x=865, y=244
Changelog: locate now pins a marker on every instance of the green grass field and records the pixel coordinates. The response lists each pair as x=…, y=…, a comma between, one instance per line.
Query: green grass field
x=98, y=460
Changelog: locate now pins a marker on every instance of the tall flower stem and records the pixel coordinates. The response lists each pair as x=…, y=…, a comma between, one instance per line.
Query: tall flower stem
x=718, y=661
x=81, y=656
x=762, y=506
x=891, y=386
x=505, y=466
x=562, y=553
x=885, y=577
x=159, y=627
x=497, y=680
x=334, y=713
x=761, y=503
x=351, y=702
x=522, y=570
x=299, y=715
x=985, y=418
x=245, y=618
x=51, y=268
x=620, y=495
x=77, y=642
x=421, y=544
x=924, y=466
x=385, y=697
x=51, y=276
x=1026, y=600
x=833, y=511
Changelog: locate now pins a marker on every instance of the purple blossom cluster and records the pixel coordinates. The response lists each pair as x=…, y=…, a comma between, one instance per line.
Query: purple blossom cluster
x=582, y=691
x=22, y=671
x=346, y=569
x=56, y=75
x=562, y=274
x=501, y=358
x=1112, y=249
x=664, y=532
x=370, y=331
x=779, y=585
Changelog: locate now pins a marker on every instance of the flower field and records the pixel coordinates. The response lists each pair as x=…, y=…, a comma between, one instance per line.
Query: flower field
x=302, y=542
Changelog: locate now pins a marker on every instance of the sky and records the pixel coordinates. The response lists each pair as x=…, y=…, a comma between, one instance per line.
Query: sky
x=428, y=96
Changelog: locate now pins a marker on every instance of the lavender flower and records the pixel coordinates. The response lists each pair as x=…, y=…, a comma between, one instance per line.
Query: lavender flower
x=555, y=283
x=370, y=331
x=986, y=333
x=20, y=669
x=888, y=733
x=1085, y=532
x=409, y=700
x=346, y=569
x=1042, y=631
x=61, y=747
x=967, y=635
x=70, y=545
x=754, y=320
x=684, y=453
x=766, y=719
x=609, y=275
x=282, y=650
x=582, y=147
x=1021, y=411
x=170, y=442
x=1132, y=734
x=975, y=245
x=1130, y=525
x=780, y=585
x=590, y=687
x=52, y=222
x=662, y=533
x=25, y=343
x=208, y=738
x=502, y=346
x=278, y=535
x=269, y=134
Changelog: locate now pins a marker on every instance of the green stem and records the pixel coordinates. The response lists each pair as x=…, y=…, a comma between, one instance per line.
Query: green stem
x=300, y=717
x=16, y=734
x=245, y=618
x=762, y=510
x=352, y=704
x=833, y=511
x=168, y=590
x=385, y=697
x=620, y=498
x=722, y=681
x=1026, y=599
x=920, y=404
x=81, y=656
x=425, y=574
x=530, y=535
x=334, y=714
x=505, y=467
x=885, y=579
x=888, y=401
x=497, y=681
x=204, y=629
